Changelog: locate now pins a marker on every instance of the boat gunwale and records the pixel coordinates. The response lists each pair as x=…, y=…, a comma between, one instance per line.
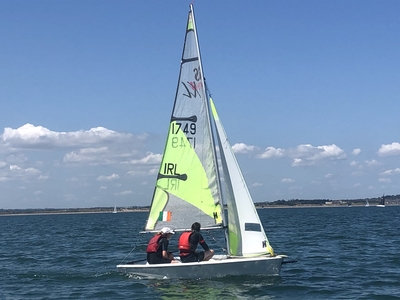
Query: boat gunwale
x=216, y=260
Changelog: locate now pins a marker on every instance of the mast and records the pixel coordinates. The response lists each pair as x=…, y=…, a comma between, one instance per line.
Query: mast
x=216, y=139
x=208, y=111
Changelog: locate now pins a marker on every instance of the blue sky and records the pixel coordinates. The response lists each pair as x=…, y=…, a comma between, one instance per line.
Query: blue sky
x=308, y=92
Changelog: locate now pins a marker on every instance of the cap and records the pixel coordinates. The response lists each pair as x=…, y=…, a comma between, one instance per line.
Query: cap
x=167, y=230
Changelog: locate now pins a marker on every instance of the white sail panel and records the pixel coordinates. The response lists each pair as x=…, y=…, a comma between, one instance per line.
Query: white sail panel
x=245, y=232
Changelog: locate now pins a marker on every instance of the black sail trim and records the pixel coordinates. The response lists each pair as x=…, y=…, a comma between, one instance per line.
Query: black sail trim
x=189, y=60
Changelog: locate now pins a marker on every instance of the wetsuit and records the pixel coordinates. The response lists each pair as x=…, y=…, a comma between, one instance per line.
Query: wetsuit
x=190, y=255
x=156, y=257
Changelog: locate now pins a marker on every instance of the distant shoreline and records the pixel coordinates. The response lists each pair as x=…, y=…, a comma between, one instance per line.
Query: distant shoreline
x=37, y=212
x=27, y=212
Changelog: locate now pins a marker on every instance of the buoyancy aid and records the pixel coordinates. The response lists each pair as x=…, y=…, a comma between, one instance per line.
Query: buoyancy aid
x=184, y=244
x=153, y=245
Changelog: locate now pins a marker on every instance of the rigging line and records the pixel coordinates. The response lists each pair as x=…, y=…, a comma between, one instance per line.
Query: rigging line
x=207, y=89
x=134, y=247
x=217, y=242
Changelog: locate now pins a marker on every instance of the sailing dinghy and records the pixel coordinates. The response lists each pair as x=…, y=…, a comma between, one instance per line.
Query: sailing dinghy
x=381, y=202
x=197, y=175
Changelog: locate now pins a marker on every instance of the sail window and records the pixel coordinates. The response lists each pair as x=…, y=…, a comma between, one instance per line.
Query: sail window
x=252, y=227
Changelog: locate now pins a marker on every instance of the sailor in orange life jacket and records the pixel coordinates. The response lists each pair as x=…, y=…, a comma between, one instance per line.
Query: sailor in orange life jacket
x=188, y=242
x=157, y=249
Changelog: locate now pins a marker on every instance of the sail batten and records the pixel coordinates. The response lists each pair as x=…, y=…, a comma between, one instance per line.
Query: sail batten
x=189, y=60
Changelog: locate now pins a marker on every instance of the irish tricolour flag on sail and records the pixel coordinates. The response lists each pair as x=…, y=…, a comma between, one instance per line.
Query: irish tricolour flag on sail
x=165, y=216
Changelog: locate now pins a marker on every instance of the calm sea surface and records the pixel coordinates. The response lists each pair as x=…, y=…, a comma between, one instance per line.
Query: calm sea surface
x=342, y=253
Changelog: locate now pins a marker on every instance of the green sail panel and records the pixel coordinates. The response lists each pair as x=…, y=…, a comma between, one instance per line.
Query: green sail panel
x=182, y=180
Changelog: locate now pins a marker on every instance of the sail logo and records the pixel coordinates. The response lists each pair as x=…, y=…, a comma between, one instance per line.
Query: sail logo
x=170, y=172
x=197, y=74
x=192, y=87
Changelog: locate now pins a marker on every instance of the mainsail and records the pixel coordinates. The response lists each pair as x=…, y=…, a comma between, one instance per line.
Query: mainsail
x=187, y=187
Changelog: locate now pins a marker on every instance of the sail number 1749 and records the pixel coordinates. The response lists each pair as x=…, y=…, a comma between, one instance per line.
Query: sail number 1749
x=189, y=129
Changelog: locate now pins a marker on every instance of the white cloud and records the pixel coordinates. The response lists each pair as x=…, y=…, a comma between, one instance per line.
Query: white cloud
x=150, y=158
x=384, y=180
x=80, y=157
x=35, y=137
x=143, y=170
x=391, y=172
x=108, y=178
x=389, y=149
x=97, y=156
x=22, y=173
x=328, y=176
x=306, y=155
x=123, y=193
x=356, y=151
x=255, y=184
x=371, y=163
x=17, y=158
x=271, y=152
x=297, y=162
x=287, y=180
x=242, y=148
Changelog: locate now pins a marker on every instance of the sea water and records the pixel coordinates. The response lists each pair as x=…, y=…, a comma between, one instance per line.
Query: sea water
x=341, y=253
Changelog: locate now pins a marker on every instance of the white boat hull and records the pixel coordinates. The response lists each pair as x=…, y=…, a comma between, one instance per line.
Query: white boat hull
x=380, y=205
x=219, y=266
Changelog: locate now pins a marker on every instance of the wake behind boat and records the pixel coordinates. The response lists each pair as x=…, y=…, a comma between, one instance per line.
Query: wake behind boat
x=197, y=176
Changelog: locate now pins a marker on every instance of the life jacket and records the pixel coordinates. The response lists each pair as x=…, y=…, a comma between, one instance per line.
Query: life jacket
x=184, y=244
x=153, y=245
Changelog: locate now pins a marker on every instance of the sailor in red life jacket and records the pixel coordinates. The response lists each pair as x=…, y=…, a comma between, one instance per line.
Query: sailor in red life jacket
x=188, y=242
x=157, y=249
